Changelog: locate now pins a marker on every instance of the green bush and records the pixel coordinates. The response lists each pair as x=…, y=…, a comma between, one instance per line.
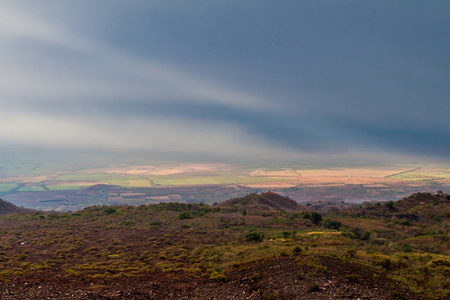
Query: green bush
x=254, y=236
x=184, y=215
x=216, y=276
x=316, y=218
x=296, y=250
x=110, y=210
x=406, y=247
x=286, y=234
x=389, y=204
x=331, y=224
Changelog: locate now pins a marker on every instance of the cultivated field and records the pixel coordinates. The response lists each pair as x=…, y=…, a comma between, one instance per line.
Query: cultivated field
x=26, y=181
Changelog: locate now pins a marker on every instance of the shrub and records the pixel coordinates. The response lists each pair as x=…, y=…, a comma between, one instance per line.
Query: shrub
x=286, y=234
x=385, y=263
x=154, y=223
x=351, y=252
x=297, y=250
x=406, y=247
x=184, y=215
x=405, y=223
x=254, y=276
x=316, y=218
x=110, y=211
x=254, y=236
x=389, y=204
x=331, y=224
x=216, y=276
x=365, y=236
x=185, y=226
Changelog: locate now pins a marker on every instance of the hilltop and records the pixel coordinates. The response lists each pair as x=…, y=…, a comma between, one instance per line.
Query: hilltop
x=423, y=207
x=261, y=202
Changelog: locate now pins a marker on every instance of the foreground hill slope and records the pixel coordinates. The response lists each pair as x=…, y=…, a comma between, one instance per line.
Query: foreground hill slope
x=195, y=251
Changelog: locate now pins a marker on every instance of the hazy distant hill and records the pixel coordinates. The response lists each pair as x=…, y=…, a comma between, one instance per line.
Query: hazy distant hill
x=264, y=201
x=9, y=208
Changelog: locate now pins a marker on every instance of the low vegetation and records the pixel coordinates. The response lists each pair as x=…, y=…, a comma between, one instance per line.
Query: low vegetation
x=401, y=246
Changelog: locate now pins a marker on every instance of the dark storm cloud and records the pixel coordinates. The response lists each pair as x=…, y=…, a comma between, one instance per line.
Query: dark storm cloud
x=229, y=78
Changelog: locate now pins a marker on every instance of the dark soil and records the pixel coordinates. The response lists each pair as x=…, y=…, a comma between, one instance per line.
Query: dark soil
x=277, y=278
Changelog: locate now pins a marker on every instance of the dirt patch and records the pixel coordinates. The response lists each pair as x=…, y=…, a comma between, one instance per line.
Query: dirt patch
x=278, y=278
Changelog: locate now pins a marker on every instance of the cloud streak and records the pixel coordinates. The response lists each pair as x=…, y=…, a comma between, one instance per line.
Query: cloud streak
x=278, y=80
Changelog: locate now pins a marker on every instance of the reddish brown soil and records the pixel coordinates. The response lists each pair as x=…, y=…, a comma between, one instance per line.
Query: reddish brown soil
x=277, y=278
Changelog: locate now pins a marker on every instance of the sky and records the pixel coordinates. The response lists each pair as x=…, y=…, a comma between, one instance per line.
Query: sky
x=226, y=79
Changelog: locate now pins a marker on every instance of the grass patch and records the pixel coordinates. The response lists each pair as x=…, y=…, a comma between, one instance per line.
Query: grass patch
x=65, y=187
x=6, y=187
x=34, y=188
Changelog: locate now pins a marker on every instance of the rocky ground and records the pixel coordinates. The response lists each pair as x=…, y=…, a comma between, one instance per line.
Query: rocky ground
x=277, y=278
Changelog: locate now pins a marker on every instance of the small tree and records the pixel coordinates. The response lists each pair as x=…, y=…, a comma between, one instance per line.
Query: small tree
x=110, y=211
x=254, y=236
x=390, y=205
x=406, y=247
x=316, y=218
x=184, y=215
x=331, y=224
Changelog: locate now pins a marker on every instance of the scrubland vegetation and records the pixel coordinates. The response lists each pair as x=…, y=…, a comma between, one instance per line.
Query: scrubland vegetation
x=405, y=242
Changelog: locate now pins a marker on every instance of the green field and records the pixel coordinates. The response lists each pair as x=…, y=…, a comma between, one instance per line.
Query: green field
x=212, y=180
x=96, y=177
x=6, y=187
x=149, y=181
x=131, y=183
x=34, y=188
x=418, y=176
x=64, y=187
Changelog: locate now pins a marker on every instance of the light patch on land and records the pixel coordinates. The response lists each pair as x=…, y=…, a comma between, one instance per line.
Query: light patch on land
x=139, y=183
x=271, y=185
x=275, y=173
x=37, y=179
x=352, y=172
x=159, y=198
x=131, y=194
x=164, y=170
x=324, y=232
